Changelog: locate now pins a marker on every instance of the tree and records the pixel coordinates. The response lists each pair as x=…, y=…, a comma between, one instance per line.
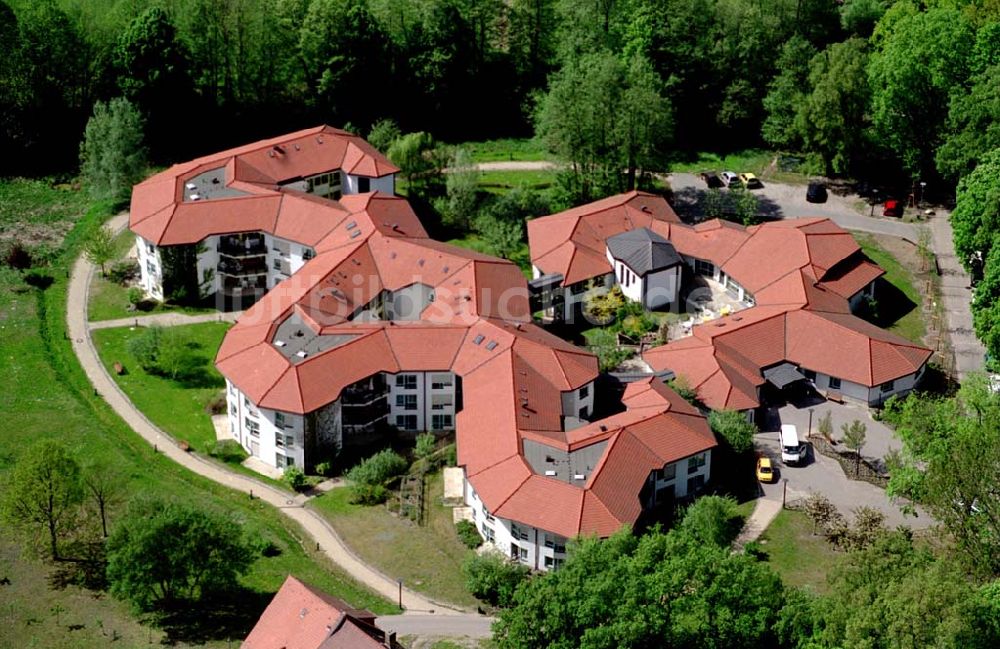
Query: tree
x=493, y=578
x=922, y=62
x=104, y=486
x=162, y=553
x=832, y=120
x=859, y=17
x=100, y=247
x=787, y=92
x=645, y=121
x=657, y=590
x=461, y=190
x=502, y=238
x=820, y=511
x=825, y=425
x=973, y=126
x=383, y=133
x=112, y=157
x=424, y=445
x=713, y=519
x=854, y=439
x=976, y=217
x=413, y=154
x=733, y=429
x=715, y=203
x=941, y=435
x=745, y=205
x=44, y=492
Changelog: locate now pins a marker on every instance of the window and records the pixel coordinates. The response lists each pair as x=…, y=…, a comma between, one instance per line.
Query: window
x=406, y=422
x=279, y=440
x=488, y=533
x=276, y=265
x=307, y=254
x=517, y=532
x=551, y=563
x=695, y=463
x=557, y=543
x=809, y=374
x=150, y=267
x=406, y=401
x=440, y=422
x=583, y=412
x=279, y=420
x=834, y=383
x=695, y=483
x=406, y=381
x=252, y=426
x=703, y=267
x=289, y=461
x=670, y=472
x=233, y=410
x=523, y=554
x=440, y=381
x=364, y=185
x=488, y=515
x=585, y=392
x=887, y=387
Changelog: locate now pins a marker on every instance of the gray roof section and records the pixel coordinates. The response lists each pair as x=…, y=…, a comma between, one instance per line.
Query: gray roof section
x=300, y=342
x=563, y=465
x=643, y=251
x=208, y=185
x=783, y=375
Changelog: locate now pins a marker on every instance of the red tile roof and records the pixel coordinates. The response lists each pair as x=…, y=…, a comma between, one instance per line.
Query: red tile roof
x=300, y=617
x=160, y=214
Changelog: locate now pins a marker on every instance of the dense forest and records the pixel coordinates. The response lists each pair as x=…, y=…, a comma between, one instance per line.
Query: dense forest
x=896, y=91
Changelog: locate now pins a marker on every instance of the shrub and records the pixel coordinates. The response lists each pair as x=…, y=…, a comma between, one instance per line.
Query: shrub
x=683, y=389
x=163, y=352
x=492, y=578
x=294, y=477
x=713, y=519
x=601, y=308
x=425, y=445
x=468, y=534
x=16, y=256
x=324, y=469
x=135, y=296
x=451, y=458
x=122, y=271
x=366, y=494
x=145, y=348
x=217, y=404
x=733, y=429
x=378, y=469
x=228, y=450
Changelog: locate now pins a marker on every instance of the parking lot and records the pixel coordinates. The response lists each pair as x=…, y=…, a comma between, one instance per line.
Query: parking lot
x=821, y=474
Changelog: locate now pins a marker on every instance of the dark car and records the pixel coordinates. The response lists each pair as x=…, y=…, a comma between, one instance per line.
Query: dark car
x=711, y=179
x=892, y=208
x=816, y=193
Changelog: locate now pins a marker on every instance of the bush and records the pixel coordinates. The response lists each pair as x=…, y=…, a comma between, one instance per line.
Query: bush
x=135, y=295
x=228, y=450
x=733, y=429
x=468, y=534
x=492, y=578
x=145, y=348
x=378, y=469
x=123, y=271
x=163, y=352
x=16, y=256
x=713, y=519
x=601, y=308
x=366, y=494
x=425, y=445
x=217, y=404
x=325, y=469
x=294, y=477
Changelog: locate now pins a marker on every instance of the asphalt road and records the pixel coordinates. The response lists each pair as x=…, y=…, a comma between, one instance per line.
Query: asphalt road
x=455, y=626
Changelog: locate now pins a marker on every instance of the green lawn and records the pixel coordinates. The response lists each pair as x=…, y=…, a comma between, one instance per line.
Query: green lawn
x=427, y=558
x=801, y=558
x=47, y=396
x=506, y=149
x=178, y=407
x=472, y=241
x=498, y=182
x=753, y=160
x=909, y=324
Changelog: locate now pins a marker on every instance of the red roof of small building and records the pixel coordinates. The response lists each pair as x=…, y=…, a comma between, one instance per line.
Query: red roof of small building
x=300, y=617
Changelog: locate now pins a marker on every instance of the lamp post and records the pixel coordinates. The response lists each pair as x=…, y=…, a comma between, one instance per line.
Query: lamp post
x=923, y=191
x=874, y=201
x=810, y=422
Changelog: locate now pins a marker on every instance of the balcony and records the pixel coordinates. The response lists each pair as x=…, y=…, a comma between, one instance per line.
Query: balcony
x=242, y=245
x=242, y=267
x=240, y=285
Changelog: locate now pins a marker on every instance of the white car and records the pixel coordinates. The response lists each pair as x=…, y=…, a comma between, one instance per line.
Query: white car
x=730, y=178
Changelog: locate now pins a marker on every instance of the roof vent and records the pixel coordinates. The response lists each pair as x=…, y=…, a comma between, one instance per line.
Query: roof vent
x=646, y=209
x=191, y=186
x=392, y=255
x=279, y=343
x=270, y=154
x=351, y=225
x=604, y=428
x=444, y=270
x=195, y=197
x=296, y=146
x=278, y=149
x=550, y=473
x=303, y=612
x=420, y=262
x=299, y=333
x=356, y=262
x=356, y=234
x=319, y=138
x=490, y=346
x=549, y=459
x=301, y=353
x=478, y=339
x=579, y=476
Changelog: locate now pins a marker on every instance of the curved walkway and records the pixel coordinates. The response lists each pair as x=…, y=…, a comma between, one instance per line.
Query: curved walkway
x=293, y=507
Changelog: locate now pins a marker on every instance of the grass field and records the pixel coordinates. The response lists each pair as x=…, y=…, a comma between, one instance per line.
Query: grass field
x=498, y=182
x=427, y=558
x=800, y=557
x=177, y=407
x=900, y=312
x=753, y=160
x=506, y=149
x=472, y=241
x=47, y=396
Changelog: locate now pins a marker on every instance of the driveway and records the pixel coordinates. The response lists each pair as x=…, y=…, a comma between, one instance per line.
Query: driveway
x=781, y=201
x=822, y=474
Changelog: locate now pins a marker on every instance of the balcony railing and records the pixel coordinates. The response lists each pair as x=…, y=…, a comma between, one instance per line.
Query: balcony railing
x=236, y=267
x=242, y=246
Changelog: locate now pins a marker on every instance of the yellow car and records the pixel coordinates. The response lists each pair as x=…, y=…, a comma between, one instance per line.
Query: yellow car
x=750, y=181
x=765, y=473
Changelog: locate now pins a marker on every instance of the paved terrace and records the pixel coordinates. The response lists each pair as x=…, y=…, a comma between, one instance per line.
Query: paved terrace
x=293, y=507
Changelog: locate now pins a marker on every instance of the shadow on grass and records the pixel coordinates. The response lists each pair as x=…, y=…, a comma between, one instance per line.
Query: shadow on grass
x=893, y=305
x=227, y=616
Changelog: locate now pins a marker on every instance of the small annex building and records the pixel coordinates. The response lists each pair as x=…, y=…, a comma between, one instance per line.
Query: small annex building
x=646, y=267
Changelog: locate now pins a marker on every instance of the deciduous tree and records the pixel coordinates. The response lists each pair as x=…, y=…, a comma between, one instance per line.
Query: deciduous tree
x=733, y=429
x=100, y=247
x=112, y=156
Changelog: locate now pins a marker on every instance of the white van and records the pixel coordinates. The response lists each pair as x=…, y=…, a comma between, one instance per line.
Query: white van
x=792, y=452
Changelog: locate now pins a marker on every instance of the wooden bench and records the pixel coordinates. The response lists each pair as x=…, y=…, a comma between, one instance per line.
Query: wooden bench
x=833, y=395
